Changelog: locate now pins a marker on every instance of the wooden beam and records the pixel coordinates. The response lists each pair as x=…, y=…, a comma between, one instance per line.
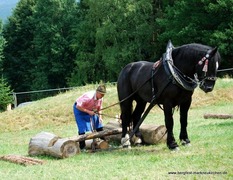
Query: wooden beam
x=22, y=160
x=218, y=116
x=95, y=135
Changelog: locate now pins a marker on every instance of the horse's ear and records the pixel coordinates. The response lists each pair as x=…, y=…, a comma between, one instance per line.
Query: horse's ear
x=170, y=45
x=213, y=51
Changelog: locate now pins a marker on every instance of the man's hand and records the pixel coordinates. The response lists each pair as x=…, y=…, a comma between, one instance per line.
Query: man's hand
x=101, y=120
x=91, y=113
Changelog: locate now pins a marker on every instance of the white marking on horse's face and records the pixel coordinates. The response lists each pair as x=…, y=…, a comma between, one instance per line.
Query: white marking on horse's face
x=217, y=65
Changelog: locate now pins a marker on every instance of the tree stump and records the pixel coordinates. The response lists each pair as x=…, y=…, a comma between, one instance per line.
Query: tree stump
x=151, y=134
x=46, y=143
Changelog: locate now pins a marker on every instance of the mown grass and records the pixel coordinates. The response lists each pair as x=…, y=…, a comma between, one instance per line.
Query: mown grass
x=211, y=150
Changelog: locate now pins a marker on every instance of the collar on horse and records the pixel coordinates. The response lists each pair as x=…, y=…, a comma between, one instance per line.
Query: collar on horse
x=179, y=78
x=174, y=75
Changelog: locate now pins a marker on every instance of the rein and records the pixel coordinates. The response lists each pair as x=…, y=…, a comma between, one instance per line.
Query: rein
x=181, y=79
x=154, y=98
x=153, y=73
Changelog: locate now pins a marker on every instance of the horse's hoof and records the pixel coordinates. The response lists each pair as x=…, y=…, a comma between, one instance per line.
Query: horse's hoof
x=138, y=144
x=125, y=142
x=175, y=149
x=127, y=147
x=137, y=141
x=185, y=142
x=172, y=146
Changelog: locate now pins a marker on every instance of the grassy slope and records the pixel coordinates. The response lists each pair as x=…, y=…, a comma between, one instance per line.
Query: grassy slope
x=211, y=149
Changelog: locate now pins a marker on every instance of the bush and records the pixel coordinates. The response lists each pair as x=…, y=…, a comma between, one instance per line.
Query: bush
x=5, y=95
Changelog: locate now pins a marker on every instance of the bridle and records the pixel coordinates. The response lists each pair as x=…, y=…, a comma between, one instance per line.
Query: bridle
x=205, y=60
x=184, y=81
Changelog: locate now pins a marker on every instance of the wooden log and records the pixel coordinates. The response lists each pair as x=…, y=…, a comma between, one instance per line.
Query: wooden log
x=95, y=135
x=218, y=116
x=151, y=134
x=46, y=143
x=22, y=160
x=113, y=125
x=99, y=144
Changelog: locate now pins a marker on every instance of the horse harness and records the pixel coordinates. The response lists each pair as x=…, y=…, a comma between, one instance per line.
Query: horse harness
x=174, y=76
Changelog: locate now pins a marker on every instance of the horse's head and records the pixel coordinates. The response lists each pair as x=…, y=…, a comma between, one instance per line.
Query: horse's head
x=207, y=69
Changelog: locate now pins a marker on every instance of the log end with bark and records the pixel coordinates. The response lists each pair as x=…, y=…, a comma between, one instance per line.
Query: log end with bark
x=46, y=143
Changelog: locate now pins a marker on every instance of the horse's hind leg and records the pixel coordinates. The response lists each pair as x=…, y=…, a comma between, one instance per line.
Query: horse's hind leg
x=126, y=117
x=139, y=109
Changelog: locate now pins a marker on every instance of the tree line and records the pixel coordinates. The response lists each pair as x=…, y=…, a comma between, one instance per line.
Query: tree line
x=54, y=43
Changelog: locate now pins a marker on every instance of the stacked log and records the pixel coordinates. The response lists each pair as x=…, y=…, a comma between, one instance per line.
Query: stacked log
x=151, y=134
x=46, y=143
x=94, y=135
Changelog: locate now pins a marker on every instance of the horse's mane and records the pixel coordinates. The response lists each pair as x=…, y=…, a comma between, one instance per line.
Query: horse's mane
x=193, y=49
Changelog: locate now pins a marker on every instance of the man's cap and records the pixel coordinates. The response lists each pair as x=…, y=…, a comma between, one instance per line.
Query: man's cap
x=101, y=89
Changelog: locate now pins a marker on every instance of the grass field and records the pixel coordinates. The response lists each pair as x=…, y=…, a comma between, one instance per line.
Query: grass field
x=209, y=157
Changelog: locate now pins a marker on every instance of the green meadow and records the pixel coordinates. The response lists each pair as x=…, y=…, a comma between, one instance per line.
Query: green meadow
x=209, y=157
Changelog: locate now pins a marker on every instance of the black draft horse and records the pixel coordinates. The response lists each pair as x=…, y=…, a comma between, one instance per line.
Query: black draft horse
x=169, y=82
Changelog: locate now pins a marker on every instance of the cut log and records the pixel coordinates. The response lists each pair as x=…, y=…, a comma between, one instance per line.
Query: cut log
x=113, y=125
x=99, y=144
x=95, y=135
x=218, y=116
x=22, y=160
x=151, y=134
x=46, y=143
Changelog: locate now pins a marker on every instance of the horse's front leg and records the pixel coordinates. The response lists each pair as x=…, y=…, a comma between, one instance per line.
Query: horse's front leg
x=184, y=107
x=171, y=142
x=140, y=107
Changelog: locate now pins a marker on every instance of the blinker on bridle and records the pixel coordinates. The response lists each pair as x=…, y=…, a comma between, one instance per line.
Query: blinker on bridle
x=205, y=60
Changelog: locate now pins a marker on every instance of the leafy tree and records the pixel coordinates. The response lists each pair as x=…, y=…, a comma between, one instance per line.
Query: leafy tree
x=2, y=44
x=58, y=43
x=53, y=54
x=19, y=33
x=83, y=44
x=5, y=91
x=112, y=33
x=201, y=21
x=5, y=95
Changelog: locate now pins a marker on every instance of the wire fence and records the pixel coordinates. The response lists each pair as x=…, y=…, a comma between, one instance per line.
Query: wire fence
x=28, y=96
x=21, y=98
